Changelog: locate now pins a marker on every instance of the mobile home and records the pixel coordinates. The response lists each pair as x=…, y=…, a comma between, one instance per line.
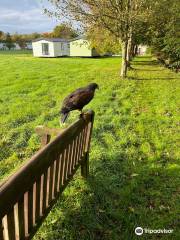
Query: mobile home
x=50, y=47
x=80, y=47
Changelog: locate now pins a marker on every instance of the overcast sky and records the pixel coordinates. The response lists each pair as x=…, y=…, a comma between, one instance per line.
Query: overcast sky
x=24, y=16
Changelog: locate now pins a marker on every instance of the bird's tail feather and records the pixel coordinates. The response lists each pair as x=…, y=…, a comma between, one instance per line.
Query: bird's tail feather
x=64, y=117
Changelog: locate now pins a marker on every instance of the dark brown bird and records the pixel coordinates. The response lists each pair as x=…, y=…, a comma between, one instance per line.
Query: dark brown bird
x=77, y=100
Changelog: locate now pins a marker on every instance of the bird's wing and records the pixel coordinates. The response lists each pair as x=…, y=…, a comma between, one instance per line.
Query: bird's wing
x=78, y=99
x=83, y=97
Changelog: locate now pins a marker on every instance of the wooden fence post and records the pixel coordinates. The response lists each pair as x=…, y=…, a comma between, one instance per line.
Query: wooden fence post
x=45, y=134
x=85, y=166
x=45, y=139
x=85, y=162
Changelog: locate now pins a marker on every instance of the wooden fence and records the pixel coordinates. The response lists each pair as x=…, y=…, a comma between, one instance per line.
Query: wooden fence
x=28, y=195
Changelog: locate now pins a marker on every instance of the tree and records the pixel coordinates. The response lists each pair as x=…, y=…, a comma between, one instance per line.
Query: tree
x=20, y=39
x=64, y=31
x=164, y=27
x=103, y=41
x=8, y=41
x=1, y=35
x=118, y=17
x=34, y=35
x=47, y=34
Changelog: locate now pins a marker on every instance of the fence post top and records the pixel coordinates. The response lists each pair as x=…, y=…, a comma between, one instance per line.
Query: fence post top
x=87, y=114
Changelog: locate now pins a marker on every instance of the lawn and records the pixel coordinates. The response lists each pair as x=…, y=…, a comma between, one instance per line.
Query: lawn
x=134, y=172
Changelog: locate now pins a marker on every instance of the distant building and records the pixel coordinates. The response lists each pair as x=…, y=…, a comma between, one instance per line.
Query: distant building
x=142, y=49
x=29, y=45
x=16, y=46
x=50, y=47
x=80, y=47
x=3, y=46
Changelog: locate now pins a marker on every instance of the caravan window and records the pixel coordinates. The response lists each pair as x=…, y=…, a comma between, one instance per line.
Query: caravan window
x=45, y=49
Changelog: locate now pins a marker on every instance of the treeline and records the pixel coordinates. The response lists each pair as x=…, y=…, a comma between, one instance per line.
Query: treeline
x=165, y=33
x=9, y=40
x=61, y=31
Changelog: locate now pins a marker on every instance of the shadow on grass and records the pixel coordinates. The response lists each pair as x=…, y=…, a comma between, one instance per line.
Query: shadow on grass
x=148, y=63
x=148, y=69
x=154, y=79
x=116, y=200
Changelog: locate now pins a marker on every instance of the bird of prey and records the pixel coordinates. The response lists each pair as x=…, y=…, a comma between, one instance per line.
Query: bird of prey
x=77, y=100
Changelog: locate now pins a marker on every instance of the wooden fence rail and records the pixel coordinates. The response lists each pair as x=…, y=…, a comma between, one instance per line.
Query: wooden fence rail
x=28, y=195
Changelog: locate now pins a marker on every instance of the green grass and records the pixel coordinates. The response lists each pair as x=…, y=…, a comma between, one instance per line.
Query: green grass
x=15, y=52
x=134, y=171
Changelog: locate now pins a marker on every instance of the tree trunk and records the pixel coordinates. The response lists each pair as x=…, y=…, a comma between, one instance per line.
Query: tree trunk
x=124, y=59
x=132, y=50
x=135, y=50
x=129, y=51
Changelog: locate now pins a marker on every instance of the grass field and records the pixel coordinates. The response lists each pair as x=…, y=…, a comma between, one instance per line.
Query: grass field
x=134, y=172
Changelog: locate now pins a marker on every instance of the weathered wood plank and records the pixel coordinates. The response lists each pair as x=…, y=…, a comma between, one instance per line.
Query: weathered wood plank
x=51, y=183
x=58, y=171
x=84, y=140
x=1, y=230
x=81, y=146
x=54, y=176
x=44, y=191
x=85, y=163
x=26, y=214
x=62, y=169
x=65, y=163
x=11, y=224
x=89, y=133
x=30, y=209
x=21, y=219
x=5, y=228
x=74, y=154
x=78, y=149
x=41, y=195
x=37, y=202
x=45, y=139
x=68, y=160
x=16, y=221
x=47, y=189
x=71, y=158
x=85, y=166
